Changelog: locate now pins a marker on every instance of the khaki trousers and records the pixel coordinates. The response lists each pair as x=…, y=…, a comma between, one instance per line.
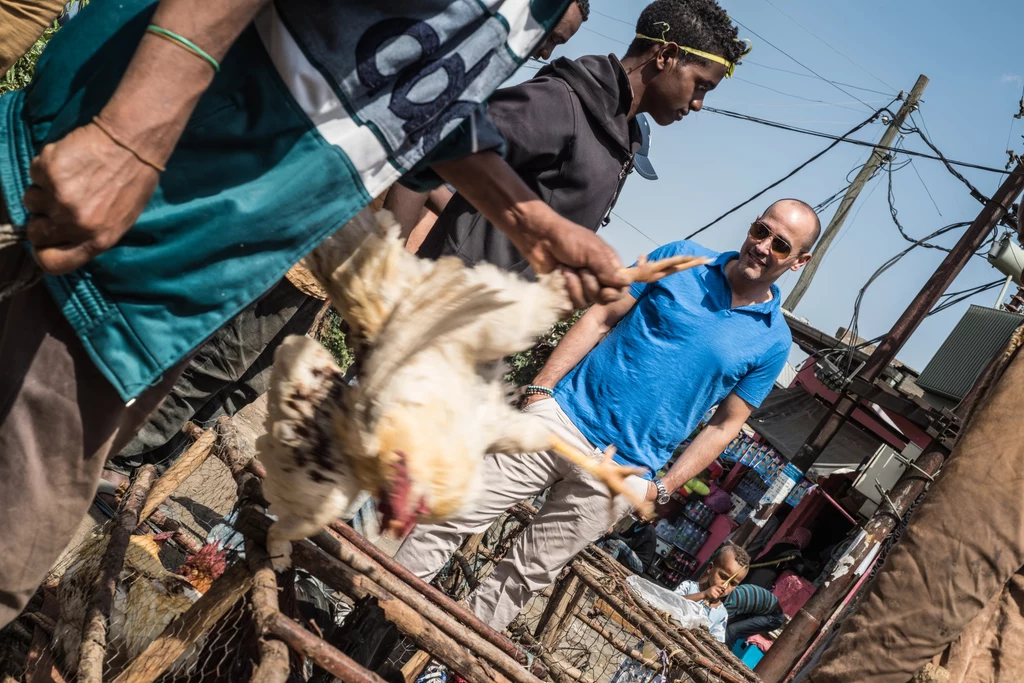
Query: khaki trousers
x=21, y=23
x=59, y=421
x=578, y=511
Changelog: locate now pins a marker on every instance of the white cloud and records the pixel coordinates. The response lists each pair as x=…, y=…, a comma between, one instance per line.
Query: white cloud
x=1010, y=79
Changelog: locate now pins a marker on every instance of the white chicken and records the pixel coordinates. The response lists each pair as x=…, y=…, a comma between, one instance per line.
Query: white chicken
x=428, y=403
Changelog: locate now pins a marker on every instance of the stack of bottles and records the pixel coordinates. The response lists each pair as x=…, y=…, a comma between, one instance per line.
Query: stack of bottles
x=750, y=488
x=684, y=534
x=697, y=511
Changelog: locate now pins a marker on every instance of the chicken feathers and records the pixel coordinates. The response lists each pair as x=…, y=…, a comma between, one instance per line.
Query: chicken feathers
x=426, y=408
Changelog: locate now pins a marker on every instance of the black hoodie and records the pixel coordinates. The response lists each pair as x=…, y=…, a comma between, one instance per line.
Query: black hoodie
x=570, y=137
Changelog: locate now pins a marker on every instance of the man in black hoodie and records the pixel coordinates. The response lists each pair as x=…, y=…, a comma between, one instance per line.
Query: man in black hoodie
x=571, y=136
x=572, y=132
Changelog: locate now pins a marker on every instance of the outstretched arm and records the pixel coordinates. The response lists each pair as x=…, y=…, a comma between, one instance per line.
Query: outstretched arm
x=581, y=338
x=547, y=240
x=723, y=427
x=88, y=191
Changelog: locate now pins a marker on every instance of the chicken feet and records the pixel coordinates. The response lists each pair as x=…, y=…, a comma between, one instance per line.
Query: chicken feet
x=605, y=470
x=651, y=271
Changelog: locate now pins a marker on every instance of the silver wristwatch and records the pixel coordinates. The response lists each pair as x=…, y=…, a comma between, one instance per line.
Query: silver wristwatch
x=663, y=494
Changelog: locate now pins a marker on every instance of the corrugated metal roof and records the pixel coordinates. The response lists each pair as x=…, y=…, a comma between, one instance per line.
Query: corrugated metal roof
x=972, y=344
x=786, y=377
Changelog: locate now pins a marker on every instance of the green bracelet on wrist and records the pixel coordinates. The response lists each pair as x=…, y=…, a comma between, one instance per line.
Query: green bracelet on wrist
x=185, y=43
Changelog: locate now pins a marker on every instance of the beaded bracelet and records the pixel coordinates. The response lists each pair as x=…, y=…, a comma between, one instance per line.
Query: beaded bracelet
x=183, y=42
x=533, y=390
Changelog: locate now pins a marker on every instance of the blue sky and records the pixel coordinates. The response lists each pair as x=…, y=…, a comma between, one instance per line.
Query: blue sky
x=707, y=163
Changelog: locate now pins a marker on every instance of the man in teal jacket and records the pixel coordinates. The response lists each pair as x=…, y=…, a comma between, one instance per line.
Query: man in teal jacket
x=171, y=161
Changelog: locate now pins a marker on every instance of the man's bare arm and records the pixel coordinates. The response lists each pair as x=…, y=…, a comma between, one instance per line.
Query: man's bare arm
x=548, y=241
x=87, y=191
x=725, y=424
x=580, y=340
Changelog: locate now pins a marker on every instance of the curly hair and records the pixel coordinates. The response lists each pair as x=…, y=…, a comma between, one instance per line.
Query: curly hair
x=741, y=556
x=584, y=6
x=700, y=24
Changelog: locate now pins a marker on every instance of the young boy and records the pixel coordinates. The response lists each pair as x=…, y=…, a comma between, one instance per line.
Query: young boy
x=728, y=567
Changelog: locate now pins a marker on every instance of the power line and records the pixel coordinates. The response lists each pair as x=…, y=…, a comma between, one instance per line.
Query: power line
x=925, y=186
x=801, y=75
x=791, y=173
x=770, y=44
x=855, y=318
x=799, y=97
x=863, y=143
x=965, y=294
x=614, y=40
x=608, y=16
x=653, y=241
x=829, y=45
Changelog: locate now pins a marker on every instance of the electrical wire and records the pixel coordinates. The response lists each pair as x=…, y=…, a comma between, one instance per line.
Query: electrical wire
x=614, y=40
x=828, y=44
x=853, y=326
x=798, y=97
x=925, y=186
x=801, y=64
x=802, y=75
x=653, y=241
x=949, y=165
x=965, y=295
x=792, y=173
x=844, y=138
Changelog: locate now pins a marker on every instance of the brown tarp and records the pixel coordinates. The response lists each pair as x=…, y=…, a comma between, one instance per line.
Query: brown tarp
x=952, y=589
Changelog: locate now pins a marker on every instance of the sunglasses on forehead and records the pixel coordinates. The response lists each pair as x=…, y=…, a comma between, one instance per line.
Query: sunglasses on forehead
x=759, y=232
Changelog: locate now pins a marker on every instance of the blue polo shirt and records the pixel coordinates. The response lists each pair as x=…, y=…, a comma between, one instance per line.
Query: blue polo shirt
x=681, y=349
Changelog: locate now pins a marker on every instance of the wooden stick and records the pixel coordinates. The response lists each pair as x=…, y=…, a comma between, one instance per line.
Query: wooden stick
x=345, y=551
x=458, y=611
x=181, y=470
x=94, y=629
x=187, y=628
x=656, y=634
x=409, y=621
x=329, y=658
x=619, y=645
x=274, y=666
x=229, y=449
x=415, y=666
x=559, y=672
x=325, y=563
x=182, y=536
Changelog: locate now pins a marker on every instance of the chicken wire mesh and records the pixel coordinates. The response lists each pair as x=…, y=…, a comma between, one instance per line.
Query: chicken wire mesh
x=189, y=549
x=174, y=557
x=588, y=640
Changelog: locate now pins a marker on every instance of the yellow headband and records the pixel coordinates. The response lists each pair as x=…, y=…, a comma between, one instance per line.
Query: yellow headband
x=718, y=59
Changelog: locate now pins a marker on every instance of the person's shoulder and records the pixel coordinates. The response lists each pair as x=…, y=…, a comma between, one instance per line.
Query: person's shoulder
x=686, y=248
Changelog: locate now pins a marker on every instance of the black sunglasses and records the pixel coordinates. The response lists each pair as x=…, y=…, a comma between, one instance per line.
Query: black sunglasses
x=781, y=249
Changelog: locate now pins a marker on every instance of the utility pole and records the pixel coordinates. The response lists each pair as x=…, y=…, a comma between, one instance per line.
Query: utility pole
x=788, y=648
x=878, y=155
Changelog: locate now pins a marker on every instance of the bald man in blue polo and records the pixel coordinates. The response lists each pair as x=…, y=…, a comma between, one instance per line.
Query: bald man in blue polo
x=637, y=374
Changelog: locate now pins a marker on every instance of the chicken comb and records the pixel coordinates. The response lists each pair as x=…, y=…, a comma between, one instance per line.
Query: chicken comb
x=605, y=470
x=651, y=271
